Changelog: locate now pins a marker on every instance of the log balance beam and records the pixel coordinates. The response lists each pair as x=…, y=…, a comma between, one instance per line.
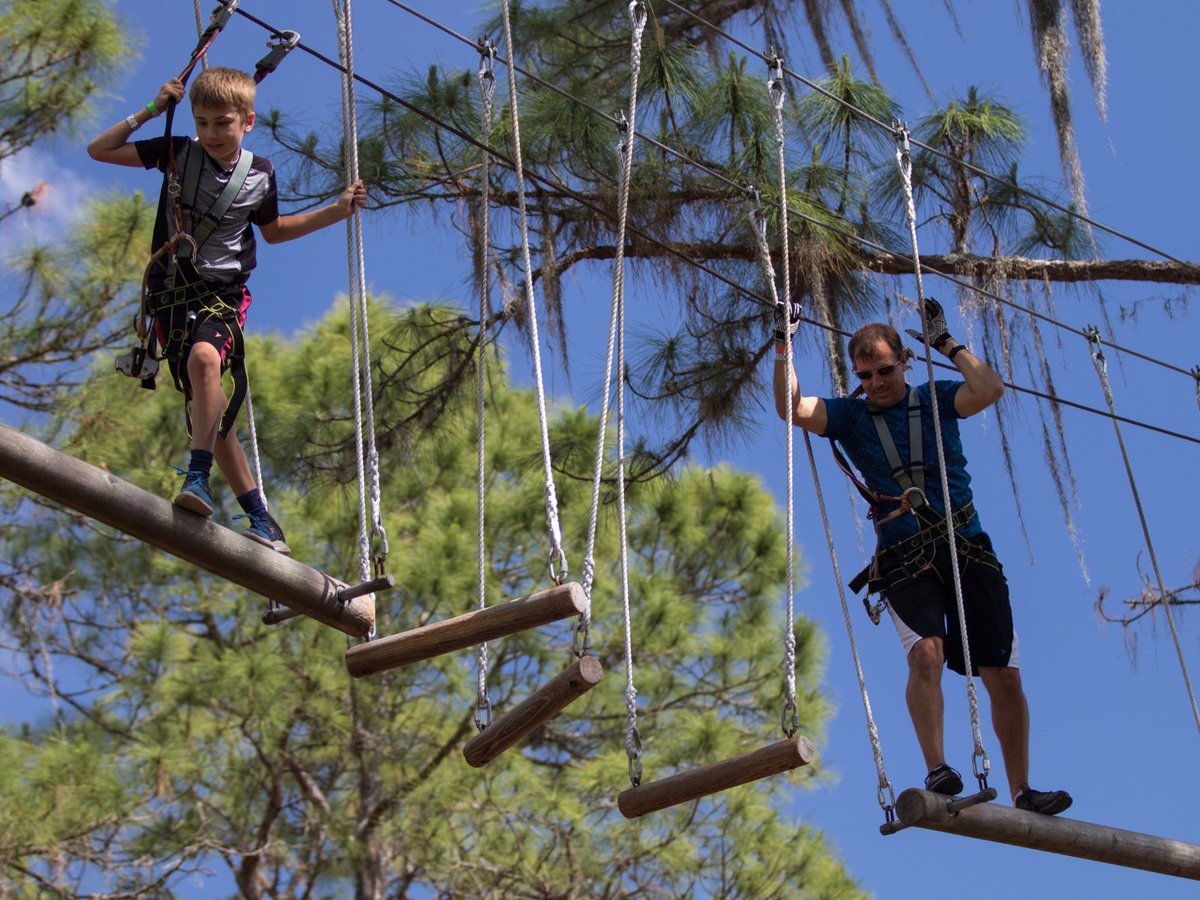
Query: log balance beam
x=153, y=520
x=1053, y=834
x=467, y=630
x=535, y=710
x=691, y=785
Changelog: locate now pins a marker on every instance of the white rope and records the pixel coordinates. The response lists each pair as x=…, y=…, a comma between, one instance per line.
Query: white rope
x=557, y=558
x=885, y=793
x=775, y=88
x=254, y=455
x=616, y=339
x=979, y=761
x=367, y=462
x=204, y=58
x=1093, y=336
x=487, y=87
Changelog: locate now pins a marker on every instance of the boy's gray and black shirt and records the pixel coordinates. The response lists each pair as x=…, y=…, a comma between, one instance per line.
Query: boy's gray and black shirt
x=228, y=256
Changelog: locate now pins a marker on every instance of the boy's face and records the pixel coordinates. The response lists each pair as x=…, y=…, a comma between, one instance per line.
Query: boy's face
x=221, y=131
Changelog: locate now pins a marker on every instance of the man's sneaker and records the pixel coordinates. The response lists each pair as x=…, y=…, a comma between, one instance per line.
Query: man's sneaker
x=266, y=531
x=944, y=780
x=194, y=495
x=1048, y=803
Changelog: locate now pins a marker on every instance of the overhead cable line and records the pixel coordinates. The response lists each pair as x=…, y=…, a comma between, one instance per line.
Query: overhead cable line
x=721, y=176
x=891, y=130
x=746, y=292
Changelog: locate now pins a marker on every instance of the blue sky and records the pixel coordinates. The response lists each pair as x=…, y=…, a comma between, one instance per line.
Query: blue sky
x=1112, y=726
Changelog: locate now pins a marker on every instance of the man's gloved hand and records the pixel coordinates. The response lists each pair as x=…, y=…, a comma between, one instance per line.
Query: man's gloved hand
x=935, y=323
x=786, y=324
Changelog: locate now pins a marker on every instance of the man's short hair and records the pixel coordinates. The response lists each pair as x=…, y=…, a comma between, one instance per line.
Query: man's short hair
x=219, y=87
x=863, y=341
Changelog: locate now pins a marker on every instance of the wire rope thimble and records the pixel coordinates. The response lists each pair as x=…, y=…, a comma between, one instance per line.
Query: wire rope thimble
x=789, y=718
x=980, y=766
x=901, y=134
x=483, y=712
x=887, y=799
x=637, y=15
x=1092, y=333
x=1195, y=370
x=633, y=749
x=379, y=548
x=487, y=57
x=581, y=638
x=622, y=126
x=775, y=77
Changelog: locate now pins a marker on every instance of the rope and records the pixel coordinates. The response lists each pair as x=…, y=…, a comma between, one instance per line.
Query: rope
x=556, y=555
x=372, y=545
x=1163, y=594
x=487, y=87
x=204, y=57
x=775, y=88
x=741, y=289
x=885, y=794
x=979, y=760
x=616, y=339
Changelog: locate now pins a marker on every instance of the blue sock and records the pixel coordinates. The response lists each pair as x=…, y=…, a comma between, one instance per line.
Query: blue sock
x=252, y=503
x=201, y=461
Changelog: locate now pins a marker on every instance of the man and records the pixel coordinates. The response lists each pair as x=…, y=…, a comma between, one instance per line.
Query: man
x=912, y=564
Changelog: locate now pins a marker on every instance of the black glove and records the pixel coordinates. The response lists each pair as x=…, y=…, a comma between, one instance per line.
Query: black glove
x=787, y=324
x=935, y=324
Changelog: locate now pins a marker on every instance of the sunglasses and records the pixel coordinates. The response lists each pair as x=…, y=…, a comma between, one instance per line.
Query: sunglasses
x=882, y=372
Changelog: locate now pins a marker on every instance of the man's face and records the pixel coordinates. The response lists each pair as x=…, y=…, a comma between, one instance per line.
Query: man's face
x=221, y=131
x=885, y=388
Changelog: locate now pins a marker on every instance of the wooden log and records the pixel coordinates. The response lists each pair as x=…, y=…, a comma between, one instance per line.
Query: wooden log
x=102, y=496
x=719, y=776
x=1053, y=834
x=538, y=708
x=467, y=630
x=952, y=804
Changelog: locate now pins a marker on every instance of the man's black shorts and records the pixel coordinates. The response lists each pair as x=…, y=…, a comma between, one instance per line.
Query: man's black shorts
x=925, y=606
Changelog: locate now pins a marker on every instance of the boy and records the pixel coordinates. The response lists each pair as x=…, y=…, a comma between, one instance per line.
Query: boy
x=200, y=303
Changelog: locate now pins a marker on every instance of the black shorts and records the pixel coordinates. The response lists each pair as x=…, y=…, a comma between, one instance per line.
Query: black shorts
x=926, y=606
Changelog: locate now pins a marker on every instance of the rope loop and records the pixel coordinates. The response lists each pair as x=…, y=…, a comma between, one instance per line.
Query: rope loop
x=789, y=719
x=775, y=78
x=487, y=58
x=483, y=713
x=637, y=16
x=887, y=800
x=581, y=639
x=980, y=766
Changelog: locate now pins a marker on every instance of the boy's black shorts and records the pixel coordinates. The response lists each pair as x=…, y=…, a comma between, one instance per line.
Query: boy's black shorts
x=925, y=606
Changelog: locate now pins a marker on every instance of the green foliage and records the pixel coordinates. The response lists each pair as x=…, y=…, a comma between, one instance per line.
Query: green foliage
x=56, y=56
x=200, y=738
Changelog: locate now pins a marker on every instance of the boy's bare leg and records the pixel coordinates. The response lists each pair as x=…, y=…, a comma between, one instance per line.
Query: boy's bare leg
x=208, y=399
x=234, y=465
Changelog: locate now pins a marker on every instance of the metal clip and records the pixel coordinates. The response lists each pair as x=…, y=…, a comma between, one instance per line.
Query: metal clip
x=280, y=47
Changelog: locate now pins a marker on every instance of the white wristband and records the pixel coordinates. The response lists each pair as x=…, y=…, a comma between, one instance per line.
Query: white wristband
x=133, y=123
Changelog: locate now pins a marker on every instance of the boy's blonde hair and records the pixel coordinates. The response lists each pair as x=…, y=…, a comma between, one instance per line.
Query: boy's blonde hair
x=219, y=87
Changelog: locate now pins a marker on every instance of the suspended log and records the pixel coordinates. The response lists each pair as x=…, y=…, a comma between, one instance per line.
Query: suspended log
x=538, y=708
x=684, y=786
x=102, y=496
x=467, y=630
x=1053, y=834
x=953, y=805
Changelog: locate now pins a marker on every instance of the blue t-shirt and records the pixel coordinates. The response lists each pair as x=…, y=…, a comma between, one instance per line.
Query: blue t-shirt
x=849, y=423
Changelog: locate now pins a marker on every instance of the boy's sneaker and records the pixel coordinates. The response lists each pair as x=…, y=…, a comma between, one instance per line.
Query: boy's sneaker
x=944, y=780
x=195, y=496
x=264, y=529
x=1047, y=803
